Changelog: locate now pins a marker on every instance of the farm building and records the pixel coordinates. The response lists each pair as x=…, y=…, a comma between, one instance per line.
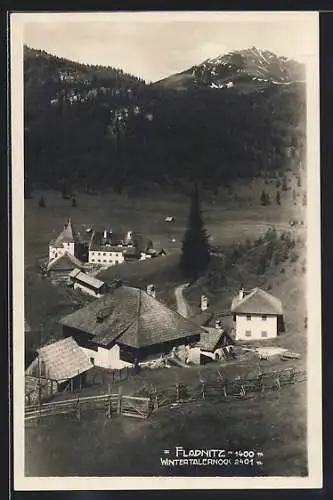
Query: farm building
x=61, y=362
x=61, y=267
x=67, y=242
x=109, y=248
x=257, y=314
x=87, y=284
x=214, y=344
x=126, y=326
x=38, y=389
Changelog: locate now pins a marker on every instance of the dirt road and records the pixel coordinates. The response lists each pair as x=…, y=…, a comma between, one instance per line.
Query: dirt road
x=182, y=307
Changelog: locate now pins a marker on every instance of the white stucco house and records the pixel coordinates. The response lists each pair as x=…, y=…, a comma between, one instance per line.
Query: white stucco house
x=257, y=314
x=108, y=247
x=66, y=242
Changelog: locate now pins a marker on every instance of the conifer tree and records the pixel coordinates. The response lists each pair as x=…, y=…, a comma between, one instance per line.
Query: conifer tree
x=41, y=202
x=195, y=255
x=74, y=203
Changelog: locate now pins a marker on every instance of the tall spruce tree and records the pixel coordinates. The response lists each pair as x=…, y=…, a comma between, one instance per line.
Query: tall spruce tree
x=195, y=255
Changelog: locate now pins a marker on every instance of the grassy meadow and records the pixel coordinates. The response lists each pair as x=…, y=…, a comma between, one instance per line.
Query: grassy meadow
x=272, y=423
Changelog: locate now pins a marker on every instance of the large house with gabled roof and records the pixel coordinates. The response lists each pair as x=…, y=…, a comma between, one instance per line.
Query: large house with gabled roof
x=257, y=315
x=128, y=325
x=109, y=247
x=67, y=242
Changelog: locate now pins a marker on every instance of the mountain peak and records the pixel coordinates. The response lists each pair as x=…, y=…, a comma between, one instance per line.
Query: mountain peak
x=247, y=69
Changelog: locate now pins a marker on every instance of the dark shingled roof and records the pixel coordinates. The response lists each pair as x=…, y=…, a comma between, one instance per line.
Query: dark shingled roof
x=212, y=338
x=257, y=302
x=68, y=235
x=65, y=262
x=131, y=317
x=117, y=241
x=114, y=241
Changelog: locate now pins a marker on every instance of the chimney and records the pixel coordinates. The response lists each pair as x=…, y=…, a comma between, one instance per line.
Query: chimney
x=241, y=294
x=105, y=235
x=204, y=303
x=218, y=324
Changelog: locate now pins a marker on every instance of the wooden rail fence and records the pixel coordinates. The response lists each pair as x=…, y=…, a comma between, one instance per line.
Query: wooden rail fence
x=140, y=406
x=226, y=390
x=111, y=404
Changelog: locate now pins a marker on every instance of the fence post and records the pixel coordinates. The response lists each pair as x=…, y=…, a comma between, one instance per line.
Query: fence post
x=78, y=411
x=225, y=391
x=113, y=376
x=292, y=375
x=108, y=404
x=177, y=392
x=278, y=383
x=261, y=383
x=155, y=398
x=119, y=404
x=203, y=390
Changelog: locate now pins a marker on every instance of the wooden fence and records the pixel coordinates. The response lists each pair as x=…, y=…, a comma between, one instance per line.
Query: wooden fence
x=224, y=390
x=110, y=404
x=145, y=401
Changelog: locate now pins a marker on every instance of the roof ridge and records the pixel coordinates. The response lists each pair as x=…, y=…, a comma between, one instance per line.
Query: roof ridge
x=169, y=310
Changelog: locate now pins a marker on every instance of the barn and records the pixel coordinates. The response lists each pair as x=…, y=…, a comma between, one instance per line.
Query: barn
x=128, y=326
x=60, y=267
x=61, y=362
x=87, y=284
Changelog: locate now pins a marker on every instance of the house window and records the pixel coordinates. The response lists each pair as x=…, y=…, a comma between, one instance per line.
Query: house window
x=104, y=254
x=248, y=317
x=264, y=333
x=264, y=317
x=116, y=262
x=92, y=260
x=99, y=260
x=104, y=260
x=248, y=333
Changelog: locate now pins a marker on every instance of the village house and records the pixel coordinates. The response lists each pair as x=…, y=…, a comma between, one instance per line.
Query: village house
x=257, y=315
x=67, y=241
x=127, y=326
x=106, y=248
x=87, y=284
x=109, y=248
x=58, y=366
x=60, y=268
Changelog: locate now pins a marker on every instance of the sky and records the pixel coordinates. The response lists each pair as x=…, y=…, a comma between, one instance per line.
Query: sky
x=155, y=45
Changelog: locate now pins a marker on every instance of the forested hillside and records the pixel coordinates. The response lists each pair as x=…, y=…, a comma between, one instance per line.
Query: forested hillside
x=92, y=126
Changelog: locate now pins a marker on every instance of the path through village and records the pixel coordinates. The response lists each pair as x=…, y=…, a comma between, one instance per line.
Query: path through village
x=182, y=307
